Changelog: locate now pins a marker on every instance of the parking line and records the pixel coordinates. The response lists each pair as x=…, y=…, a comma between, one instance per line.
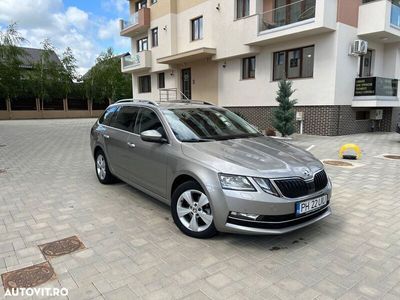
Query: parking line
x=309, y=148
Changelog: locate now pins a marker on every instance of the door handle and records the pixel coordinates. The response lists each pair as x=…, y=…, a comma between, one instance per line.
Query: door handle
x=106, y=136
x=131, y=145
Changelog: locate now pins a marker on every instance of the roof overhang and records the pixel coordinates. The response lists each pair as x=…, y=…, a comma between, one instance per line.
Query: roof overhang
x=188, y=56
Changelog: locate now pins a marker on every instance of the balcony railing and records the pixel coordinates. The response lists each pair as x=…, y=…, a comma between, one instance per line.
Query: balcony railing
x=133, y=21
x=395, y=15
x=299, y=11
x=376, y=86
x=138, y=22
x=136, y=62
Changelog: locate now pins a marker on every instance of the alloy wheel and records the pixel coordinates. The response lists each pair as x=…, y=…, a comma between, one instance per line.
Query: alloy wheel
x=194, y=210
x=101, y=167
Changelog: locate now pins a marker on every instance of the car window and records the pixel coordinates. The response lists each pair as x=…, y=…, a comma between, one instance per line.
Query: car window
x=125, y=119
x=148, y=120
x=107, y=115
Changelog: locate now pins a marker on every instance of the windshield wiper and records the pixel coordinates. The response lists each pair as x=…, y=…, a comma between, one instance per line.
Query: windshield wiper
x=197, y=140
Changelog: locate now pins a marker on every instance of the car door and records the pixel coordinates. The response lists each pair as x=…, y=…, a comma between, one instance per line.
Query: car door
x=148, y=161
x=117, y=142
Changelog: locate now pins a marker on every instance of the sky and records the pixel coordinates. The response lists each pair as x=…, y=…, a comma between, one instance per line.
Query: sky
x=88, y=27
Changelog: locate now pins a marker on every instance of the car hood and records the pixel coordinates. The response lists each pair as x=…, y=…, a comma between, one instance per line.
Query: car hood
x=260, y=156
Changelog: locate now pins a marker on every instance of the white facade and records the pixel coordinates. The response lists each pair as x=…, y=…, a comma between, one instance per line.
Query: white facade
x=216, y=59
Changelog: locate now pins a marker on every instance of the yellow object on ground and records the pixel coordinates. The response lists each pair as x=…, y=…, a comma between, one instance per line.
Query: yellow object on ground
x=353, y=147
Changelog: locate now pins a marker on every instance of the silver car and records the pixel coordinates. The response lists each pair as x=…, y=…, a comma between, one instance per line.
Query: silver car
x=217, y=172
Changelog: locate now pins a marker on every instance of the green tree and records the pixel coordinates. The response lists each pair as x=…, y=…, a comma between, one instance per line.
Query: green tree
x=10, y=61
x=45, y=76
x=67, y=71
x=284, y=115
x=105, y=80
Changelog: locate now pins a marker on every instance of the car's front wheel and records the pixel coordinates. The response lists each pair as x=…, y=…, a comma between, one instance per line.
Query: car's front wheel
x=102, y=170
x=191, y=211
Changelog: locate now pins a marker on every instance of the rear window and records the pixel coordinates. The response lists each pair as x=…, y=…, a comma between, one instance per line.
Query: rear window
x=107, y=116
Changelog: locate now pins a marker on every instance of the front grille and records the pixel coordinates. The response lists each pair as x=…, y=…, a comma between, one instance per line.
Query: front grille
x=298, y=187
x=277, y=225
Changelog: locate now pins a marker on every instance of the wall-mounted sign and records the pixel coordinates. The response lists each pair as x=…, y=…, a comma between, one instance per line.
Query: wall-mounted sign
x=376, y=86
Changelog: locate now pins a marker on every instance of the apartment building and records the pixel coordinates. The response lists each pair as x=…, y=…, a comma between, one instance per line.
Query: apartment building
x=234, y=52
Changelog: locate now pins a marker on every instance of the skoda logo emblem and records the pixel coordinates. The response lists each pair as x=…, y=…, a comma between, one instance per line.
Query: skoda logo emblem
x=306, y=172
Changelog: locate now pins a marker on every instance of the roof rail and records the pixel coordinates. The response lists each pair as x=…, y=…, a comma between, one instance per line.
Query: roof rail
x=137, y=101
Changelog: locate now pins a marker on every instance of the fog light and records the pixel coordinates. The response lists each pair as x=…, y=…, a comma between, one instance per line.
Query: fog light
x=244, y=216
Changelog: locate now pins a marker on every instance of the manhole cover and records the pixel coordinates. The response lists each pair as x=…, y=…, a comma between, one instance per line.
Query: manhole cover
x=392, y=156
x=28, y=277
x=338, y=163
x=61, y=247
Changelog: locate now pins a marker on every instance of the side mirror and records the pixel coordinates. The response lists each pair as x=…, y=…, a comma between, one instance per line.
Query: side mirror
x=152, y=136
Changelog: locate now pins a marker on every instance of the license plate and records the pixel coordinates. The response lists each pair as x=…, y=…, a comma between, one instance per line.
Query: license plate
x=311, y=205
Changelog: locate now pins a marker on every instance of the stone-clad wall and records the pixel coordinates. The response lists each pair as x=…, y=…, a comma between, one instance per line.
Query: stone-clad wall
x=319, y=120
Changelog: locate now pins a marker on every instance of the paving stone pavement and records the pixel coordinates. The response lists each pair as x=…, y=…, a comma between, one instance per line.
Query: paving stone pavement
x=49, y=191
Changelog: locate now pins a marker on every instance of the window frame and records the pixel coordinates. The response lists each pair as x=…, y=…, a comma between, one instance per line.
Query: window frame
x=137, y=126
x=162, y=74
x=245, y=12
x=246, y=60
x=139, y=43
x=286, y=63
x=116, y=114
x=140, y=4
x=140, y=86
x=200, y=30
x=154, y=37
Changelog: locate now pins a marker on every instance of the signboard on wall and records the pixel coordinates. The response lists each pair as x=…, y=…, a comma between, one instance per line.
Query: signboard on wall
x=376, y=86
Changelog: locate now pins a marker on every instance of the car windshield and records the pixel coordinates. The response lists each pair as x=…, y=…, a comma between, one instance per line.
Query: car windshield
x=207, y=124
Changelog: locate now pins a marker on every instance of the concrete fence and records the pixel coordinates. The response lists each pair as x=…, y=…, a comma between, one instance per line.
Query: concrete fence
x=7, y=113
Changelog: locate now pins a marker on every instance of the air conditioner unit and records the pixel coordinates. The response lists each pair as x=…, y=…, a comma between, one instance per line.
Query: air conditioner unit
x=376, y=114
x=359, y=47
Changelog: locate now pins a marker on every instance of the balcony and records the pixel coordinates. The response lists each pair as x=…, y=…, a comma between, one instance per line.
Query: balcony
x=299, y=19
x=376, y=92
x=379, y=20
x=138, y=22
x=136, y=63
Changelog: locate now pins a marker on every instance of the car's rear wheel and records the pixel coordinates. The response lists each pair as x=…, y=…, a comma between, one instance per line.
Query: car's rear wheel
x=191, y=211
x=102, y=170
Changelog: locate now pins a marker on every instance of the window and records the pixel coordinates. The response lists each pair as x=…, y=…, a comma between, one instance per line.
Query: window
x=142, y=44
x=153, y=2
x=148, y=120
x=145, y=84
x=294, y=63
x=242, y=8
x=249, y=67
x=154, y=37
x=140, y=4
x=126, y=118
x=107, y=116
x=161, y=80
x=197, y=29
x=362, y=115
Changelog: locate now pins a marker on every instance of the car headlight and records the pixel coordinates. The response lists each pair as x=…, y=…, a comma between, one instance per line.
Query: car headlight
x=266, y=185
x=235, y=182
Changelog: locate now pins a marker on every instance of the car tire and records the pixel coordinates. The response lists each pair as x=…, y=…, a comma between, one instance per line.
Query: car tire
x=191, y=211
x=101, y=167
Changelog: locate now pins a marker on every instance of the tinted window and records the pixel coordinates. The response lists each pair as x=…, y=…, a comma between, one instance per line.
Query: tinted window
x=126, y=118
x=148, y=120
x=108, y=114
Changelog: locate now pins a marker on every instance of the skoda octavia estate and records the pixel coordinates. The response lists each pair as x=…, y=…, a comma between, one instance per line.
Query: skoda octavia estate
x=217, y=172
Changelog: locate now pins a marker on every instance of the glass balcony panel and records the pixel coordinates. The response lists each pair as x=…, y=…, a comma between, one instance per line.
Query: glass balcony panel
x=283, y=15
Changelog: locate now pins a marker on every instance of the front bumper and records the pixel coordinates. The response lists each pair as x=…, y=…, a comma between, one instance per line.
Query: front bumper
x=278, y=213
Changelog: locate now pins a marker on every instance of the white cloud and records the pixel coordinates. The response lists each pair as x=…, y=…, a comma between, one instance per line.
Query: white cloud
x=120, y=6
x=65, y=27
x=77, y=17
